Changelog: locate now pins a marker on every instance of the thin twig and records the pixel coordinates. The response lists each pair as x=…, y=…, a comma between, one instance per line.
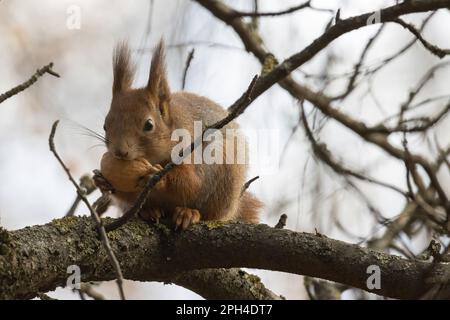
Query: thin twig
x=196, y=43
x=357, y=68
x=248, y=183
x=441, y=53
x=255, y=13
x=186, y=67
x=272, y=14
x=88, y=185
x=95, y=217
x=321, y=151
x=39, y=73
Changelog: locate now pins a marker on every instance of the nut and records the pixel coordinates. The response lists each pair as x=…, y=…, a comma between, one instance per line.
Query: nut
x=124, y=174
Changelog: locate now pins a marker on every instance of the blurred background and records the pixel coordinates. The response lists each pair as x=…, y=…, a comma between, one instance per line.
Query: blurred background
x=35, y=190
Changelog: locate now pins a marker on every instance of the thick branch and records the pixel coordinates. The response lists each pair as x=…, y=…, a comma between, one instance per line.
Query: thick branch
x=37, y=257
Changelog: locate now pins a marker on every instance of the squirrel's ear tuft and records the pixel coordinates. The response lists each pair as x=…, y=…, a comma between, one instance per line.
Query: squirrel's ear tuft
x=157, y=85
x=123, y=68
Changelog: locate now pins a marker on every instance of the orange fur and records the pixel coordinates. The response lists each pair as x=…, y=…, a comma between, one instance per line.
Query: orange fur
x=249, y=208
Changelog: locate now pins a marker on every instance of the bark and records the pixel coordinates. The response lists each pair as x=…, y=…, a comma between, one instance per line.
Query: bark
x=35, y=259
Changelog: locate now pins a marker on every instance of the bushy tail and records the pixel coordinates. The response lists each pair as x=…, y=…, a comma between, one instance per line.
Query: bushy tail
x=249, y=207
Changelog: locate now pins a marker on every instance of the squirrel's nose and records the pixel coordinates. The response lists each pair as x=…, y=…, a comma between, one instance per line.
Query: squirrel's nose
x=121, y=154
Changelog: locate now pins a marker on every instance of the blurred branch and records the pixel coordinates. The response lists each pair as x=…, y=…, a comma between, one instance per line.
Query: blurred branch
x=359, y=64
x=88, y=186
x=423, y=123
x=198, y=43
x=280, y=73
x=322, y=153
x=370, y=71
x=318, y=289
x=253, y=43
x=39, y=73
x=272, y=14
x=430, y=47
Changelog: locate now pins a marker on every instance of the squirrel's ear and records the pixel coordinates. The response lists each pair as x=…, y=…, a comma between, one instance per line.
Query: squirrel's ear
x=157, y=85
x=123, y=68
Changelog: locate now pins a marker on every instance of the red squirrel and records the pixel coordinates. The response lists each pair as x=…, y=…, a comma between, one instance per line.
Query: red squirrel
x=140, y=123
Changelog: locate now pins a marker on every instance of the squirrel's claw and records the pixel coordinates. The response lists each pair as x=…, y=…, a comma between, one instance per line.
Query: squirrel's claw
x=158, y=167
x=184, y=217
x=155, y=168
x=153, y=214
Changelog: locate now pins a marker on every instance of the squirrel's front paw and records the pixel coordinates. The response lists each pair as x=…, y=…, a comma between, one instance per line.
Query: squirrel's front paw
x=152, y=214
x=102, y=183
x=184, y=217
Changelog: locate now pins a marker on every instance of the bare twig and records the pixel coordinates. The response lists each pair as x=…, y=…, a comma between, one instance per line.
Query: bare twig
x=186, y=67
x=341, y=27
x=307, y=4
x=370, y=71
x=86, y=184
x=248, y=183
x=197, y=43
x=430, y=47
x=293, y=9
x=280, y=73
x=321, y=152
x=39, y=73
x=94, y=215
x=356, y=71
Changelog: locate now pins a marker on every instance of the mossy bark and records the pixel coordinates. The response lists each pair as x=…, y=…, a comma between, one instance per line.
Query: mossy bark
x=35, y=259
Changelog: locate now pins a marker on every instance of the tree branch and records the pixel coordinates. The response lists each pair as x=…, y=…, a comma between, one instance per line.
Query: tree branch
x=340, y=28
x=37, y=257
x=39, y=73
x=307, y=4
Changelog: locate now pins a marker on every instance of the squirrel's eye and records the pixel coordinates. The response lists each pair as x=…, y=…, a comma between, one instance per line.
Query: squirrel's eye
x=148, y=126
x=104, y=127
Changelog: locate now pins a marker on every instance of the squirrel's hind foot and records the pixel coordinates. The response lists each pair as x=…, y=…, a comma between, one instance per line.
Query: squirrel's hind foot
x=184, y=217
